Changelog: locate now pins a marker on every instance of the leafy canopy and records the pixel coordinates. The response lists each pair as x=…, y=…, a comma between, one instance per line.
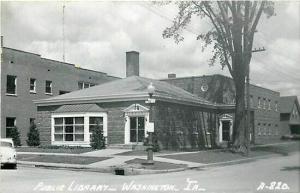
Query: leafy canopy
x=233, y=26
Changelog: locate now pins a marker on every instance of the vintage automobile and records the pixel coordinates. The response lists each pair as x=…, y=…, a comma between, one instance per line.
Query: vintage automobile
x=8, y=155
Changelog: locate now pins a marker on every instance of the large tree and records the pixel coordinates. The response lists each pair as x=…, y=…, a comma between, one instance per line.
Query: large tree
x=234, y=24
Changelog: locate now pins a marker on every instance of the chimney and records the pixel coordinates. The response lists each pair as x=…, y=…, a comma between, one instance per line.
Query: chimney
x=171, y=75
x=132, y=64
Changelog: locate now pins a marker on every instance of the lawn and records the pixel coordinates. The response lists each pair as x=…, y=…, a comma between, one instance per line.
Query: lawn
x=207, y=157
x=55, y=149
x=138, y=163
x=283, y=149
x=60, y=159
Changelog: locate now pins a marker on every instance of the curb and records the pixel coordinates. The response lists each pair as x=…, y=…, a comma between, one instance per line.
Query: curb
x=128, y=171
x=232, y=162
x=66, y=167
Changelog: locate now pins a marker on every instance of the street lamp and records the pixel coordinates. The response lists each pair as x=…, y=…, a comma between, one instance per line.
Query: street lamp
x=151, y=102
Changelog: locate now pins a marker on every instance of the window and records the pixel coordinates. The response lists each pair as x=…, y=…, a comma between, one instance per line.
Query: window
x=82, y=85
x=264, y=105
x=284, y=116
x=11, y=85
x=276, y=106
x=265, y=130
x=269, y=108
x=270, y=129
x=10, y=123
x=258, y=129
x=69, y=129
x=48, y=88
x=258, y=102
x=32, y=85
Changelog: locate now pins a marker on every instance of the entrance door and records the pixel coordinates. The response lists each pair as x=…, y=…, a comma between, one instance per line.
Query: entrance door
x=225, y=130
x=137, y=129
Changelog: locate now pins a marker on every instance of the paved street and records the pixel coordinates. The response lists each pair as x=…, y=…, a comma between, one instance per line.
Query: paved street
x=246, y=177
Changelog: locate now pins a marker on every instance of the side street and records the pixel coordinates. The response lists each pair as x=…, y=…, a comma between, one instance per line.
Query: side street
x=130, y=162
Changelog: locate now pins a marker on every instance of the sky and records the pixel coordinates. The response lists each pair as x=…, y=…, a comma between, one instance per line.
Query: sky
x=97, y=35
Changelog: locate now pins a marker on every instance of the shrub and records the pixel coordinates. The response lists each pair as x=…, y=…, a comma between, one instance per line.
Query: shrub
x=98, y=140
x=33, y=136
x=15, y=135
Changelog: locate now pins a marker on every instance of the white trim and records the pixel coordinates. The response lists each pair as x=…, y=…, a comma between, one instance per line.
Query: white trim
x=86, y=141
x=132, y=108
x=131, y=112
x=225, y=117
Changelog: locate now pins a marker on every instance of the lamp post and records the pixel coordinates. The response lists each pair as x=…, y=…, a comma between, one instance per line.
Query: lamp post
x=151, y=102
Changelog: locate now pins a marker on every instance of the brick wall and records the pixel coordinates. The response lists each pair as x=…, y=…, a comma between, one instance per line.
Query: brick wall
x=180, y=126
x=220, y=89
x=43, y=123
x=24, y=65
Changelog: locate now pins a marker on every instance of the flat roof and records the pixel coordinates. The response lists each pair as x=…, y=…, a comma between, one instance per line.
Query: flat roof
x=61, y=62
x=188, y=77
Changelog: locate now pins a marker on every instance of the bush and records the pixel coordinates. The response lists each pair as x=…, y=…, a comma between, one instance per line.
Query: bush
x=15, y=135
x=33, y=136
x=98, y=140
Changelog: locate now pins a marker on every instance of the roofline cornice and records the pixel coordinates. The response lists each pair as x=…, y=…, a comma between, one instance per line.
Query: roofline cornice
x=141, y=97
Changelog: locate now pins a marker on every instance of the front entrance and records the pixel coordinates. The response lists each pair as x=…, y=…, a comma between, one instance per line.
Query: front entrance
x=137, y=129
x=225, y=130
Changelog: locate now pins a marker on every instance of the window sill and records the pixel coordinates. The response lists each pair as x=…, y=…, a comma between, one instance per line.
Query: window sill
x=7, y=94
x=32, y=92
x=50, y=94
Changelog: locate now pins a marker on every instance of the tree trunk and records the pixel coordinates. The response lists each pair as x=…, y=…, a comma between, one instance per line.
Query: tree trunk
x=238, y=136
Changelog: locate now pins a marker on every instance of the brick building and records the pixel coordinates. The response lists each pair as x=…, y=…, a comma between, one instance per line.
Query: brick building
x=220, y=89
x=190, y=111
x=27, y=76
x=181, y=119
x=290, y=115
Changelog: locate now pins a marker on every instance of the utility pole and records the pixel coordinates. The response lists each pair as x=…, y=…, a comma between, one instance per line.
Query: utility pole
x=248, y=101
x=63, y=30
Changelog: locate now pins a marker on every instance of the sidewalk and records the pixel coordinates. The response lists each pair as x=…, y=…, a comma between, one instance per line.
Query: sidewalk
x=180, y=160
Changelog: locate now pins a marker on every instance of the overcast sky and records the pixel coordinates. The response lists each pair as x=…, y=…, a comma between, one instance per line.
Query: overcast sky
x=97, y=35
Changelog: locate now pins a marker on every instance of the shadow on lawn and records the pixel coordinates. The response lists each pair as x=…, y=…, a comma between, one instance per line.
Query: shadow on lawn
x=277, y=150
x=291, y=168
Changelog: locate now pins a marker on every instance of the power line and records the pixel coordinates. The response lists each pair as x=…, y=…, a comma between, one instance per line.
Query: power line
x=151, y=9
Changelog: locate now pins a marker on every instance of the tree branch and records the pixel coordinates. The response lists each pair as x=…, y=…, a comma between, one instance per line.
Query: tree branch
x=261, y=8
x=253, y=10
